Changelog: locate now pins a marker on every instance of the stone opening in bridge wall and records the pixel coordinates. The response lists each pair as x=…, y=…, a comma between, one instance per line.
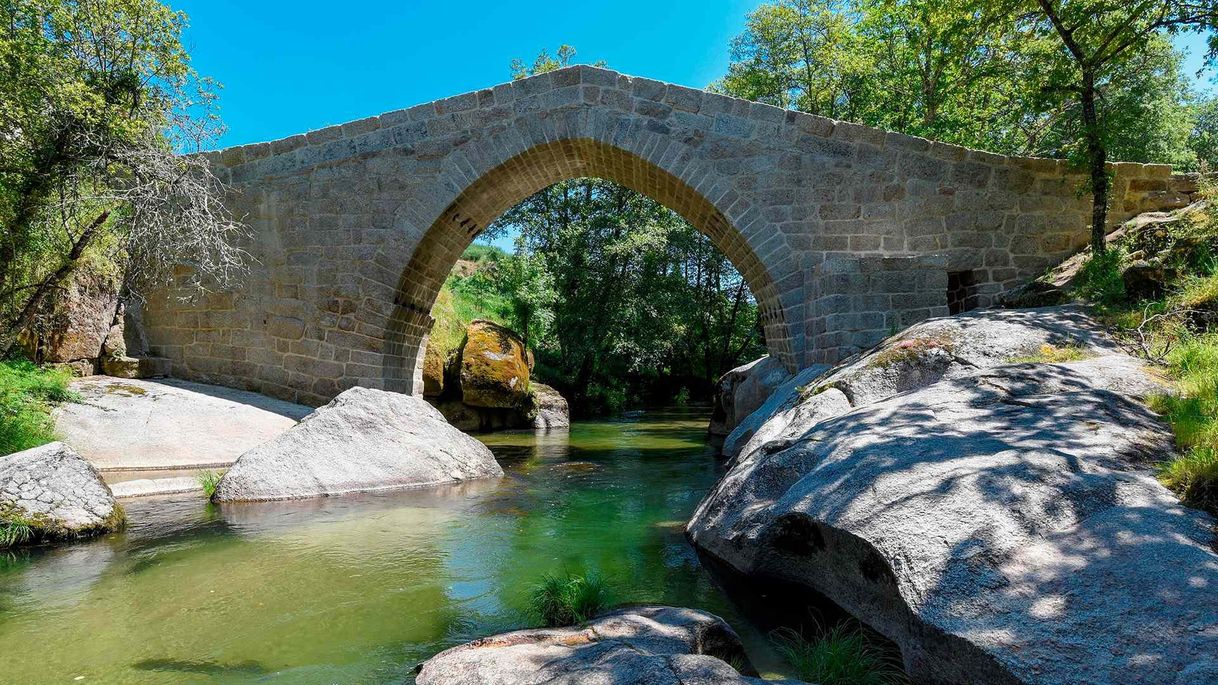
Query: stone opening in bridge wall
x=515, y=180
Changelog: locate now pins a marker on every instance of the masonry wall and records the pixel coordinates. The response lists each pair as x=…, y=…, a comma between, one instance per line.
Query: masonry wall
x=355, y=226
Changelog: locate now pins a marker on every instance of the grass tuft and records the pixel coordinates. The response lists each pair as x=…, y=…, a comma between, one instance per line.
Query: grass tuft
x=565, y=600
x=27, y=394
x=1099, y=279
x=1193, y=414
x=209, y=481
x=1194, y=476
x=15, y=531
x=842, y=657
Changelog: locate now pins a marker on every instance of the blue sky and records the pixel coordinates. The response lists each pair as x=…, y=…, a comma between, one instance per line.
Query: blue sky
x=290, y=67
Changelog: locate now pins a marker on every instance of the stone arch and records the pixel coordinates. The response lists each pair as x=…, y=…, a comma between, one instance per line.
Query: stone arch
x=539, y=167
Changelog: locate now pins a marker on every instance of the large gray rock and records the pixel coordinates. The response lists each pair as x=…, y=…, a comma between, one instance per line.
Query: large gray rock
x=1000, y=524
x=363, y=440
x=743, y=390
x=56, y=491
x=950, y=346
x=772, y=415
x=550, y=410
x=653, y=644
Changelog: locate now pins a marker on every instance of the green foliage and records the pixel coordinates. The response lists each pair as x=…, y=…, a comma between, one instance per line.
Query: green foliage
x=96, y=99
x=1099, y=279
x=465, y=298
x=633, y=297
x=1193, y=414
x=990, y=74
x=528, y=287
x=27, y=394
x=477, y=252
x=565, y=600
x=843, y=656
x=545, y=63
x=209, y=481
x=15, y=531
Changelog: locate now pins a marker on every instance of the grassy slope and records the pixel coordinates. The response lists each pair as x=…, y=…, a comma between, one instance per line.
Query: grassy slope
x=27, y=394
x=467, y=297
x=1180, y=330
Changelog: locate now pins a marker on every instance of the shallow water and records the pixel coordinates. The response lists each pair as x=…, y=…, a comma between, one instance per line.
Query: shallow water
x=361, y=589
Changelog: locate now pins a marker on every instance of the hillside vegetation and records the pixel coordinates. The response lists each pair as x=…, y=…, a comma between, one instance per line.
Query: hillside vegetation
x=1157, y=285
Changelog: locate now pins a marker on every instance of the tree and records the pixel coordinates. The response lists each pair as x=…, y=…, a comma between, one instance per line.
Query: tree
x=529, y=288
x=97, y=98
x=799, y=54
x=545, y=63
x=1203, y=138
x=1097, y=37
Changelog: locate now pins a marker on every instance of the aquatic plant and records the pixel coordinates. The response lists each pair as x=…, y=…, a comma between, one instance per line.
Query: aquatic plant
x=842, y=657
x=564, y=600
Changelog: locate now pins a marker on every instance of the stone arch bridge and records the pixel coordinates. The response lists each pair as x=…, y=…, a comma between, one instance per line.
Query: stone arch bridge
x=843, y=232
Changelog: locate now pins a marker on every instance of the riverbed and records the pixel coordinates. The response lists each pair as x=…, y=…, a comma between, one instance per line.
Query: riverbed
x=361, y=589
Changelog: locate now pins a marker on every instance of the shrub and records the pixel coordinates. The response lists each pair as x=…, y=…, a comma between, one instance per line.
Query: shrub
x=27, y=393
x=842, y=657
x=568, y=599
x=209, y=480
x=1099, y=280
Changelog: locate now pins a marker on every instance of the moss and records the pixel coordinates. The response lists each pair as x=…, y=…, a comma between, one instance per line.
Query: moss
x=125, y=389
x=494, y=367
x=905, y=351
x=1054, y=354
x=17, y=528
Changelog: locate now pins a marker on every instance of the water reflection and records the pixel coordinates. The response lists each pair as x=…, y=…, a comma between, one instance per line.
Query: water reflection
x=360, y=589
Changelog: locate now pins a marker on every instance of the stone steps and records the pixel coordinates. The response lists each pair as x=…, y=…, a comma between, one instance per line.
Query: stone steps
x=149, y=487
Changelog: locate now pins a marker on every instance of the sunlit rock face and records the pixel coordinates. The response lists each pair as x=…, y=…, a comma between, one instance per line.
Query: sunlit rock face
x=649, y=644
x=364, y=440
x=55, y=491
x=743, y=390
x=494, y=367
x=998, y=519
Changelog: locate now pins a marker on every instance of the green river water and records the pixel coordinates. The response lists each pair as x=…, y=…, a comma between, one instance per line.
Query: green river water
x=361, y=589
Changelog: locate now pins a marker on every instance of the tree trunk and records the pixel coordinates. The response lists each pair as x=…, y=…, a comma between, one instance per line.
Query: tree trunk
x=36, y=300
x=1097, y=159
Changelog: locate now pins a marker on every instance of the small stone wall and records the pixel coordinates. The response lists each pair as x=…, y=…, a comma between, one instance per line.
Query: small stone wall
x=859, y=301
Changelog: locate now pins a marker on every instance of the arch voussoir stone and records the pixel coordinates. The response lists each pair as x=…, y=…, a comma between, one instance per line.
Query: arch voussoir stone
x=841, y=231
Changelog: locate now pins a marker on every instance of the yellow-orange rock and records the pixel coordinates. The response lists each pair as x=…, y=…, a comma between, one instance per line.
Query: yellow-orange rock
x=433, y=372
x=494, y=367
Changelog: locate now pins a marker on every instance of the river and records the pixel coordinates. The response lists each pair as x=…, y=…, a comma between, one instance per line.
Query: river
x=361, y=589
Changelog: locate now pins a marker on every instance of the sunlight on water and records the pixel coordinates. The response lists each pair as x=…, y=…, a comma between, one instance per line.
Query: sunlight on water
x=361, y=589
